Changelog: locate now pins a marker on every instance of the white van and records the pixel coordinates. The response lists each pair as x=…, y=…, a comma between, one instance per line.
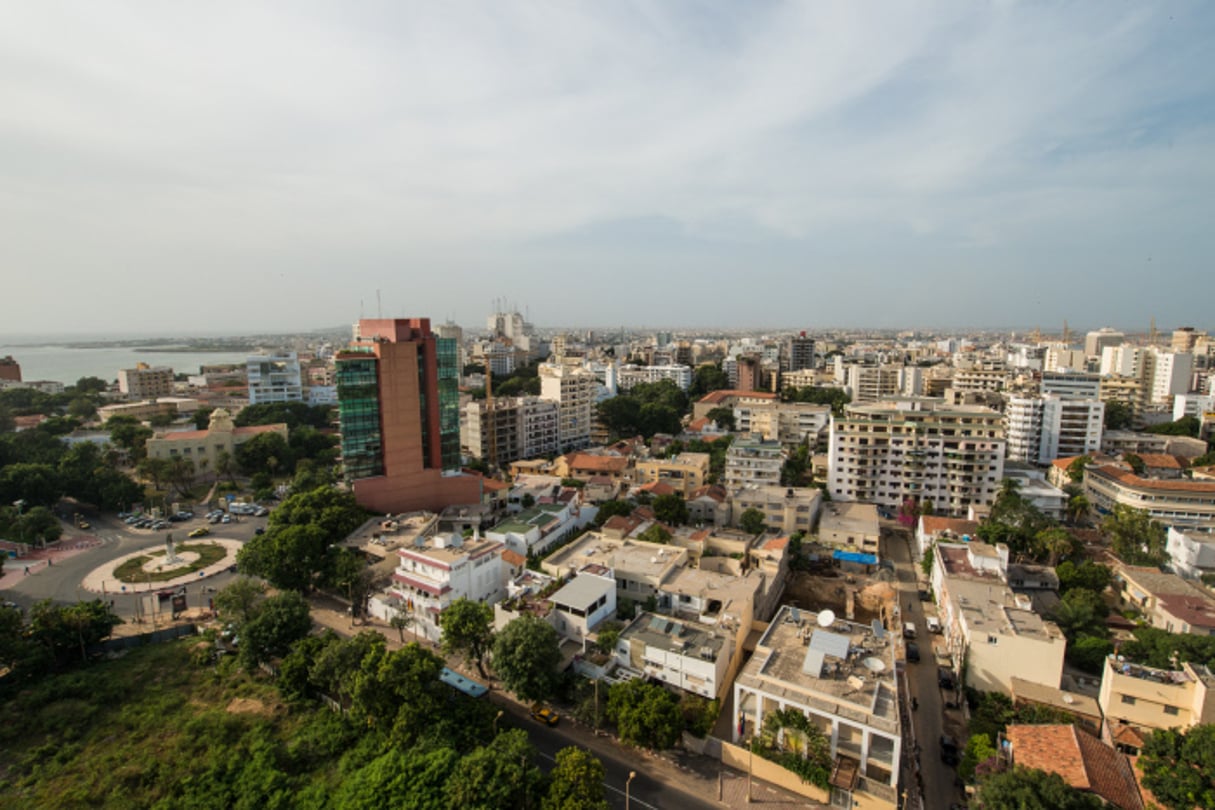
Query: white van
x=934, y=624
x=908, y=629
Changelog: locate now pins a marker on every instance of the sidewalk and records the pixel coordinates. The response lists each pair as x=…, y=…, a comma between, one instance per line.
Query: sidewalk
x=42, y=558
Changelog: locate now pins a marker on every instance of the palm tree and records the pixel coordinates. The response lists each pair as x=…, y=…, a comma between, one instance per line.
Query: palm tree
x=1077, y=508
x=1054, y=543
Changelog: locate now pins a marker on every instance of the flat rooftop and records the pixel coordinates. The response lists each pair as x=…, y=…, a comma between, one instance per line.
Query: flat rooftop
x=989, y=606
x=841, y=516
x=673, y=635
x=844, y=669
x=635, y=559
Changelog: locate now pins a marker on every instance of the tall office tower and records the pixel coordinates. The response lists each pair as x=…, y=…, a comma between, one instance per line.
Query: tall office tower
x=1094, y=342
x=1042, y=429
x=399, y=406
x=274, y=378
x=801, y=352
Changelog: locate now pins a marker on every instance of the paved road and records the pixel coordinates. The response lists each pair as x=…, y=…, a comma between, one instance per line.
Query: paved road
x=60, y=582
x=931, y=719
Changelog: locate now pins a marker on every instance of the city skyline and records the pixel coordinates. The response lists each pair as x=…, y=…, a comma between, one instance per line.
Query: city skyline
x=173, y=170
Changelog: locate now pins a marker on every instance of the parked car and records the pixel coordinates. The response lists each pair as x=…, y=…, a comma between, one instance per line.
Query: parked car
x=946, y=679
x=934, y=624
x=949, y=750
x=908, y=629
x=225, y=519
x=925, y=596
x=913, y=652
x=544, y=714
x=259, y=530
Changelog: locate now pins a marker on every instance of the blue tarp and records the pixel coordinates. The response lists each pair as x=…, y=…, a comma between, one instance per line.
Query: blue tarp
x=465, y=685
x=855, y=556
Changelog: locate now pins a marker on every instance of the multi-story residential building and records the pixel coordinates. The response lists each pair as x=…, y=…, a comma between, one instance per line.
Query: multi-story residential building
x=842, y=677
x=274, y=378
x=1095, y=342
x=1070, y=385
x=932, y=529
x=980, y=379
x=786, y=509
x=753, y=462
x=1042, y=429
x=639, y=568
x=1191, y=553
x=689, y=656
x=1169, y=375
x=800, y=353
x=1192, y=405
x=789, y=423
x=398, y=400
x=1034, y=488
x=523, y=427
x=1146, y=699
x=685, y=472
x=1185, y=338
x=1123, y=361
x=628, y=375
x=867, y=383
x=1127, y=390
x=987, y=626
x=436, y=571
x=146, y=382
x=889, y=452
x=573, y=388
x=1172, y=502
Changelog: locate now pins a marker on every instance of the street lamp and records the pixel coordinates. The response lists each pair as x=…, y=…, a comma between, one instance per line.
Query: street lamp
x=632, y=775
x=497, y=717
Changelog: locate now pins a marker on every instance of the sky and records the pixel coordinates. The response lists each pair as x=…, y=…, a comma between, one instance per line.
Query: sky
x=252, y=167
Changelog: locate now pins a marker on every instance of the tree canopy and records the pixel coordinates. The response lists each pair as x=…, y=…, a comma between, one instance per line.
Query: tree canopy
x=1025, y=789
x=645, y=714
x=1135, y=537
x=526, y=655
x=467, y=628
x=576, y=782
x=671, y=509
x=1179, y=767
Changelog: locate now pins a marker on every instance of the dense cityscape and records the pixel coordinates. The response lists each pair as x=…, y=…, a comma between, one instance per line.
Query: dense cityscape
x=847, y=569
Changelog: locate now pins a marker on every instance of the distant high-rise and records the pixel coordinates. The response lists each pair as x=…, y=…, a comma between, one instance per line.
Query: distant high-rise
x=10, y=369
x=146, y=382
x=398, y=399
x=1094, y=342
x=1185, y=338
x=801, y=352
x=274, y=378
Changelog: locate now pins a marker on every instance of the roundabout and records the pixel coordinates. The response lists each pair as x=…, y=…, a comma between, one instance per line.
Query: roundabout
x=156, y=569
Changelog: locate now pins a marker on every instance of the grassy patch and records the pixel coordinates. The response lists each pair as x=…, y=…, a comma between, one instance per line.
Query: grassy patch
x=132, y=571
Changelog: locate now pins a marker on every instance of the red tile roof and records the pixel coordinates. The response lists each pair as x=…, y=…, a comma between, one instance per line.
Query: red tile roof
x=714, y=397
x=658, y=488
x=934, y=525
x=513, y=558
x=1129, y=479
x=1082, y=760
x=196, y=435
x=1161, y=461
x=586, y=461
x=714, y=491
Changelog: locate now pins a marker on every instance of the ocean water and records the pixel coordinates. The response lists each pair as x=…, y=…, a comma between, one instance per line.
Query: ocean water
x=67, y=365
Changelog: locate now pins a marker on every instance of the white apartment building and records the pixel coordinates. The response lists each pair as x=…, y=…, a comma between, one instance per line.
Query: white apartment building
x=1191, y=553
x=630, y=375
x=438, y=570
x=1071, y=385
x=1122, y=361
x=573, y=389
x=146, y=382
x=889, y=452
x=1170, y=375
x=274, y=378
x=1172, y=502
x=753, y=462
x=1042, y=429
x=789, y=423
x=1192, y=405
x=686, y=655
x=842, y=677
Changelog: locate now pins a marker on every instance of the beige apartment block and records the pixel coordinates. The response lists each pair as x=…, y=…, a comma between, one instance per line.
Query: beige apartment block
x=1146, y=698
x=685, y=472
x=786, y=509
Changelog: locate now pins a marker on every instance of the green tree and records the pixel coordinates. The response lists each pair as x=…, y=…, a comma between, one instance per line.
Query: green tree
x=752, y=521
x=1075, y=470
x=498, y=776
x=281, y=620
x=527, y=653
x=90, y=385
x=155, y=470
x=1025, y=789
x=267, y=452
x=1081, y=611
x=837, y=398
x=1118, y=415
x=401, y=621
x=202, y=418
x=1179, y=767
x=723, y=417
x=129, y=434
x=708, y=378
x=1185, y=426
x=36, y=484
x=979, y=749
x=240, y=599
x=1089, y=652
x=1088, y=574
x=1160, y=648
x=1135, y=537
x=671, y=509
x=576, y=782
x=412, y=779
x=467, y=629
x=610, y=509
x=67, y=631
x=1053, y=543
x=82, y=408
x=333, y=511
x=293, y=557
x=657, y=533
x=1135, y=462
x=1078, y=508
x=645, y=714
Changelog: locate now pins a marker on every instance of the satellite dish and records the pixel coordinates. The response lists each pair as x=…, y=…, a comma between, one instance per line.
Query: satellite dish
x=874, y=664
x=826, y=618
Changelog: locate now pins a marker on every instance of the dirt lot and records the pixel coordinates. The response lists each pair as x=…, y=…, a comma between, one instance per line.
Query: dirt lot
x=830, y=588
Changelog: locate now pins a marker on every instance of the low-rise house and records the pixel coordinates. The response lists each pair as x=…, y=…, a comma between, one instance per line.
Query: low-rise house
x=851, y=530
x=709, y=506
x=1033, y=487
x=842, y=677
x=638, y=568
x=1083, y=761
x=533, y=531
x=685, y=472
x=587, y=465
x=583, y=603
x=1144, y=699
x=1166, y=601
x=932, y=529
x=728, y=398
x=1084, y=709
x=683, y=654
